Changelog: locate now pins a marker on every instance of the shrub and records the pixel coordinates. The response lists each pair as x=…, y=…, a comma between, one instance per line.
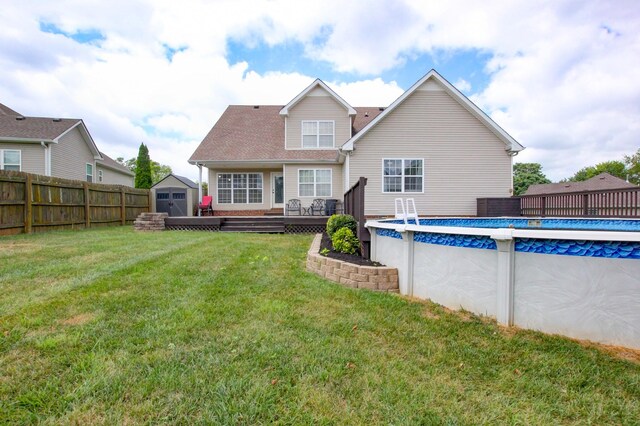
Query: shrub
x=338, y=221
x=344, y=241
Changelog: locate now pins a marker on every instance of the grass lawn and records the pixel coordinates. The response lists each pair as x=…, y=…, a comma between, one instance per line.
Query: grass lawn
x=111, y=326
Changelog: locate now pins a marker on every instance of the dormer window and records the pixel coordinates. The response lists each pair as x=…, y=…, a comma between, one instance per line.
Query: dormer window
x=318, y=134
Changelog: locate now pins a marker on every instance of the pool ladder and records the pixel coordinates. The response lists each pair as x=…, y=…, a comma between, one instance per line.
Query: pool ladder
x=406, y=213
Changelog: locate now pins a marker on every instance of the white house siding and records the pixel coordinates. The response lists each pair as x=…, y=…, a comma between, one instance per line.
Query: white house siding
x=463, y=159
x=32, y=156
x=291, y=181
x=317, y=105
x=266, y=189
x=111, y=177
x=70, y=156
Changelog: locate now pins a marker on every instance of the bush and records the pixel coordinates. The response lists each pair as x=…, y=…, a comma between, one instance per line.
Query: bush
x=344, y=241
x=338, y=221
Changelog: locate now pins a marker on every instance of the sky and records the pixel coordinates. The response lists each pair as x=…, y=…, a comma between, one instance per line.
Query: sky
x=561, y=77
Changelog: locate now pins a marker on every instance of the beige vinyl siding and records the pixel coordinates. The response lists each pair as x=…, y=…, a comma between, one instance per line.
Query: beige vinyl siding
x=463, y=159
x=266, y=189
x=317, y=105
x=172, y=182
x=32, y=156
x=69, y=157
x=291, y=181
x=111, y=177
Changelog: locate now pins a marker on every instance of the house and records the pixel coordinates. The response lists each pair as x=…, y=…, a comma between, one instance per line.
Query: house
x=602, y=182
x=175, y=195
x=60, y=147
x=431, y=144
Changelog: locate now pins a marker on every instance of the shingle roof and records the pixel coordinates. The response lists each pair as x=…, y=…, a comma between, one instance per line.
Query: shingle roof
x=113, y=164
x=247, y=133
x=5, y=110
x=603, y=181
x=186, y=181
x=34, y=127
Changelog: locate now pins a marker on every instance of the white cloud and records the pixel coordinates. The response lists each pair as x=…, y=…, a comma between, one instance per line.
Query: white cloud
x=561, y=78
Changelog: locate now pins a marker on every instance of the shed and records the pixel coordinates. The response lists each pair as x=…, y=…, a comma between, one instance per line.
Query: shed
x=175, y=195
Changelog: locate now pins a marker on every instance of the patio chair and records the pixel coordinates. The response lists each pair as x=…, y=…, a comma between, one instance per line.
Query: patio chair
x=293, y=205
x=317, y=207
x=206, y=206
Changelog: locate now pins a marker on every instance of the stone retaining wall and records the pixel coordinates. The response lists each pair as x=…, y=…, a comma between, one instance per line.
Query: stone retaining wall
x=351, y=275
x=150, y=222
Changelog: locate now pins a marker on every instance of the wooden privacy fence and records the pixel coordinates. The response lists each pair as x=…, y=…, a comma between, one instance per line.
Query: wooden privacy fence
x=354, y=205
x=35, y=203
x=603, y=203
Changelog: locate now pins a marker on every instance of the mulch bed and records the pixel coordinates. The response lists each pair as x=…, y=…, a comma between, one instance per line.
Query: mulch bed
x=351, y=258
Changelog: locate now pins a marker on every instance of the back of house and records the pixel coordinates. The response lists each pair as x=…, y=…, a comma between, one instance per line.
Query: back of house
x=431, y=144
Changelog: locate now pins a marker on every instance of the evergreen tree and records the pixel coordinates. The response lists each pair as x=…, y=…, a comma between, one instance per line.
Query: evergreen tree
x=143, y=168
x=525, y=175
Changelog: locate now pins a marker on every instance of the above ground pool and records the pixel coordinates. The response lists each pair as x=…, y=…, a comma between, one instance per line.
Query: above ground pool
x=576, y=277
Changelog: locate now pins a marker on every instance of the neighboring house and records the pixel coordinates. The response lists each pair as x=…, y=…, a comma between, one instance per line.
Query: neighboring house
x=175, y=195
x=431, y=144
x=602, y=182
x=60, y=147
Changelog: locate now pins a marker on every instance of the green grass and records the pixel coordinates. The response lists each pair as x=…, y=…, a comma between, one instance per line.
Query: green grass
x=110, y=326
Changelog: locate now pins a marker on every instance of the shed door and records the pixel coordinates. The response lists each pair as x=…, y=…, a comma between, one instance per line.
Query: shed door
x=172, y=201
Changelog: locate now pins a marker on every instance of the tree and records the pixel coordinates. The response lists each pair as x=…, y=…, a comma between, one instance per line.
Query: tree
x=143, y=168
x=158, y=171
x=615, y=168
x=633, y=167
x=525, y=175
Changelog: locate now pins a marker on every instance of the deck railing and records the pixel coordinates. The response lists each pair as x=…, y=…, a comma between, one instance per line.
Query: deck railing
x=354, y=205
x=604, y=203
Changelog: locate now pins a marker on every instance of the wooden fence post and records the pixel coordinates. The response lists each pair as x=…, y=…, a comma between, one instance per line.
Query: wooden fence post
x=87, y=207
x=543, y=207
x=28, y=206
x=150, y=198
x=123, y=206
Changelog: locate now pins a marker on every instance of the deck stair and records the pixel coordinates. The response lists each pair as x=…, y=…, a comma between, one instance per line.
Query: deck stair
x=261, y=224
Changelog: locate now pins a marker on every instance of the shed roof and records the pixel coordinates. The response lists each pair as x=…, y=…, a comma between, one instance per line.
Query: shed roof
x=603, y=181
x=188, y=182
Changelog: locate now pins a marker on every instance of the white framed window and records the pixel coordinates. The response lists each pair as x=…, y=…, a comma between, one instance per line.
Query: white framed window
x=403, y=175
x=318, y=134
x=239, y=188
x=11, y=159
x=314, y=182
x=99, y=175
x=89, y=172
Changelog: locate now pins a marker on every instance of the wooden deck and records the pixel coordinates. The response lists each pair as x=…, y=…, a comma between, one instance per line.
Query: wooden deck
x=260, y=224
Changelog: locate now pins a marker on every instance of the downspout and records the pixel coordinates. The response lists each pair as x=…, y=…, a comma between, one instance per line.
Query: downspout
x=47, y=158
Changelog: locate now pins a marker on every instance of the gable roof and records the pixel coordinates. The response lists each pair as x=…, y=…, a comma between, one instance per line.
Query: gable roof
x=18, y=128
x=256, y=133
x=186, y=181
x=510, y=142
x=110, y=163
x=305, y=92
x=603, y=181
x=5, y=110
x=34, y=129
